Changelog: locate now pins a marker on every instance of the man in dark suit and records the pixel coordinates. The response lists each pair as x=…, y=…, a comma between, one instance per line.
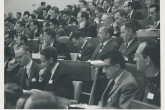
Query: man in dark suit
x=130, y=44
x=85, y=26
x=7, y=58
x=45, y=14
x=9, y=40
x=55, y=13
x=122, y=86
x=34, y=27
x=131, y=13
x=54, y=76
x=27, y=75
x=155, y=16
x=50, y=41
x=86, y=48
x=54, y=24
x=107, y=43
x=147, y=59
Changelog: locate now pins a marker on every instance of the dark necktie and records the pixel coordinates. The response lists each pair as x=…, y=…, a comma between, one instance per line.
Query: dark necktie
x=27, y=81
x=104, y=97
x=123, y=47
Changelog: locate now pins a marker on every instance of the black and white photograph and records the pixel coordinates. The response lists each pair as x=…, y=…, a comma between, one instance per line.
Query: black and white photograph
x=82, y=54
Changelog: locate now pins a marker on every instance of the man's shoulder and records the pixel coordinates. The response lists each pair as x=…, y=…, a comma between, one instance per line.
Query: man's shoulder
x=129, y=78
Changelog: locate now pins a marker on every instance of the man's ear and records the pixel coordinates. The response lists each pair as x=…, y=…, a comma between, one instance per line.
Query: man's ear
x=148, y=60
x=117, y=66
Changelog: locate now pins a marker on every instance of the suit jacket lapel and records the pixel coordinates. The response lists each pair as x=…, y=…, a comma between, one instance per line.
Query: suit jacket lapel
x=117, y=84
x=131, y=47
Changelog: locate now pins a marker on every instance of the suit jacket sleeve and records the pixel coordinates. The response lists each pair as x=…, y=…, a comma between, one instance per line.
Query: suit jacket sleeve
x=127, y=95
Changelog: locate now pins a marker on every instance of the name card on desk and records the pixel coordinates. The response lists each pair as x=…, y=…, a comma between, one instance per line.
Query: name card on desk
x=97, y=63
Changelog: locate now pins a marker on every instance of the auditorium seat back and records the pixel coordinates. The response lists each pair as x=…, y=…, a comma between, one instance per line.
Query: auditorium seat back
x=80, y=70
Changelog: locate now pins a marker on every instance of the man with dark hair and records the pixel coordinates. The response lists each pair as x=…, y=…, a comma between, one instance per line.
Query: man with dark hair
x=131, y=13
x=18, y=15
x=28, y=74
x=86, y=48
x=122, y=86
x=43, y=4
x=21, y=40
x=107, y=6
x=39, y=9
x=9, y=40
x=155, y=15
x=50, y=41
x=55, y=13
x=41, y=100
x=12, y=92
x=83, y=4
x=20, y=26
x=87, y=28
x=54, y=24
x=120, y=17
x=54, y=77
x=45, y=14
x=34, y=27
x=107, y=43
x=130, y=44
x=66, y=15
x=147, y=59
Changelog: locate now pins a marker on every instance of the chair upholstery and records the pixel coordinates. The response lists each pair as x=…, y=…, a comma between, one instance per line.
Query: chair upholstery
x=77, y=85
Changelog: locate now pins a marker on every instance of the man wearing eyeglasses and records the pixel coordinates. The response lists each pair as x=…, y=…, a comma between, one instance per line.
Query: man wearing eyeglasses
x=147, y=59
x=122, y=86
x=28, y=75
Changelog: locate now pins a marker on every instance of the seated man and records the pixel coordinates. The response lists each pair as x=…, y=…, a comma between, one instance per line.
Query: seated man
x=107, y=43
x=27, y=76
x=122, y=86
x=21, y=40
x=54, y=76
x=129, y=36
x=50, y=41
x=85, y=25
x=155, y=16
x=86, y=48
x=147, y=59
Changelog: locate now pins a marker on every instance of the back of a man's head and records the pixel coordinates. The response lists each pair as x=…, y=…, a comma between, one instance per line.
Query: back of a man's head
x=41, y=100
x=116, y=58
x=49, y=52
x=12, y=93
